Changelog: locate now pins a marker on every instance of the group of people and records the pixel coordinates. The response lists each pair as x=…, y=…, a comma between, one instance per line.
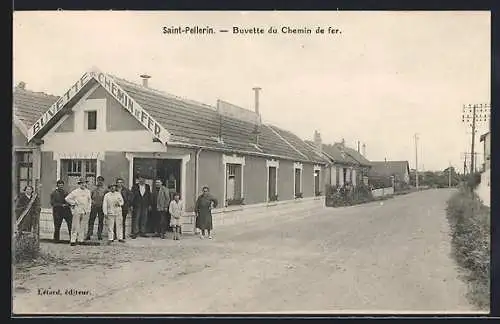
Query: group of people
x=112, y=204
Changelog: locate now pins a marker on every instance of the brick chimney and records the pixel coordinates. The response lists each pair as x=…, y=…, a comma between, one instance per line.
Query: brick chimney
x=256, y=90
x=257, y=112
x=21, y=85
x=145, y=79
x=317, y=141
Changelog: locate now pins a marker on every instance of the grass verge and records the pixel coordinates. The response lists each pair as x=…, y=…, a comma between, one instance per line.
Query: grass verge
x=469, y=222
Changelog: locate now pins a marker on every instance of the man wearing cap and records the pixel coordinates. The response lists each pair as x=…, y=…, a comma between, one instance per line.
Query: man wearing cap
x=97, y=196
x=112, y=206
x=141, y=204
x=80, y=202
x=60, y=209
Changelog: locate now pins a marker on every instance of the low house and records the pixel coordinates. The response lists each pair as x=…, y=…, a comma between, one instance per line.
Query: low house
x=484, y=188
x=346, y=164
x=28, y=106
x=105, y=125
x=486, y=140
x=399, y=170
x=318, y=172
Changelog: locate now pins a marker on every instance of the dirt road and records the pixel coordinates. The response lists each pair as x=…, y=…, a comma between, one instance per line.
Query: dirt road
x=368, y=258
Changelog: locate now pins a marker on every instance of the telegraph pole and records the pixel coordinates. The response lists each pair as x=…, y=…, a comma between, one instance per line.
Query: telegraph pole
x=416, y=160
x=471, y=115
x=472, y=164
x=449, y=175
x=465, y=164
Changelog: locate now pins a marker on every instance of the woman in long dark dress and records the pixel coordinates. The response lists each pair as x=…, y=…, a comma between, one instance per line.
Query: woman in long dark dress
x=203, y=210
x=28, y=199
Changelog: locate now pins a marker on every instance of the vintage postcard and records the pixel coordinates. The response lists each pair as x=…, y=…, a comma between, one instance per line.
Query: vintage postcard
x=270, y=162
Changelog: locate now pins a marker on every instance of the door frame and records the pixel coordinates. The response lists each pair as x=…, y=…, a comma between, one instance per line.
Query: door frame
x=185, y=159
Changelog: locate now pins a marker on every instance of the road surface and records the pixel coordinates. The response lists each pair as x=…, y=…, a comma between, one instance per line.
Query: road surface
x=378, y=257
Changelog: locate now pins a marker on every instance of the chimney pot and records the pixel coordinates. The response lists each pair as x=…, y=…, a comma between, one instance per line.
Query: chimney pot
x=21, y=85
x=145, y=79
x=317, y=140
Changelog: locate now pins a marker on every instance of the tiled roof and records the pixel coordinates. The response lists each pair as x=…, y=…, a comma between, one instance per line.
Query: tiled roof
x=389, y=168
x=357, y=156
x=29, y=105
x=335, y=153
x=300, y=145
x=190, y=122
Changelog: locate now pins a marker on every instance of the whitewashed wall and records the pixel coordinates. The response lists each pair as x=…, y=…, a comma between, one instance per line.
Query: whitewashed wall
x=483, y=190
x=382, y=192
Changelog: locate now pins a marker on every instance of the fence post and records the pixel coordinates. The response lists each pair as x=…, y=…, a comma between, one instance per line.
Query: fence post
x=37, y=229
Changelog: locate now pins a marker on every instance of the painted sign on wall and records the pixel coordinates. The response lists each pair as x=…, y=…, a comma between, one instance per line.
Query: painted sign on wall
x=58, y=105
x=132, y=107
x=116, y=91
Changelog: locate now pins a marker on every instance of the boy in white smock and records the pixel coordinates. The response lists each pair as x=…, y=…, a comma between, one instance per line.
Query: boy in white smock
x=112, y=207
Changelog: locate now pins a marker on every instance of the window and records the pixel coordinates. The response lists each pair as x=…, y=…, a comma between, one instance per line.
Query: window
x=74, y=169
x=24, y=161
x=91, y=120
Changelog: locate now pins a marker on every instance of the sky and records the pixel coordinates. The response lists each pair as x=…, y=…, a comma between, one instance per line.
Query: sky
x=384, y=78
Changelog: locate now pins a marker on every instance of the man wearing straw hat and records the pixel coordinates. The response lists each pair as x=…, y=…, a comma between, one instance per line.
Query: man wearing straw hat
x=80, y=202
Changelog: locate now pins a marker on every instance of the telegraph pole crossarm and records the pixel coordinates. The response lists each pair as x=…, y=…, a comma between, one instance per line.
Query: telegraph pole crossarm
x=472, y=116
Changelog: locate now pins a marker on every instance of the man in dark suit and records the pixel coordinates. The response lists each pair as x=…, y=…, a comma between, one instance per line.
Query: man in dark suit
x=141, y=204
x=60, y=209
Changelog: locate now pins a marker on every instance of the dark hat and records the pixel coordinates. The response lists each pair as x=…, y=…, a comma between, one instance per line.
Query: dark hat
x=82, y=180
x=112, y=185
x=60, y=181
x=100, y=178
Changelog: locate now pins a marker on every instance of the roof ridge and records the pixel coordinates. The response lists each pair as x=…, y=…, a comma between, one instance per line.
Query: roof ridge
x=320, y=153
x=289, y=144
x=164, y=93
x=16, y=88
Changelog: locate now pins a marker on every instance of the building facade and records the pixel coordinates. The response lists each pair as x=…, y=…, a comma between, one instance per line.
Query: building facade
x=107, y=126
x=398, y=170
x=486, y=140
x=484, y=188
x=345, y=164
x=28, y=106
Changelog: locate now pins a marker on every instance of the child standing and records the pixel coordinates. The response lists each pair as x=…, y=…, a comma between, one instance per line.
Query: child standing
x=176, y=209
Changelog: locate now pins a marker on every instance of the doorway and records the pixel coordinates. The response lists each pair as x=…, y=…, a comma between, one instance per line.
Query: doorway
x=316, y=183
x=272, y=176
x=166, y=170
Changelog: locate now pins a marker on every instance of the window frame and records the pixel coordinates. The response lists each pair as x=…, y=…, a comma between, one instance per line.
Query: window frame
x=22, y=163
x=87, y=114
x=80, y=168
